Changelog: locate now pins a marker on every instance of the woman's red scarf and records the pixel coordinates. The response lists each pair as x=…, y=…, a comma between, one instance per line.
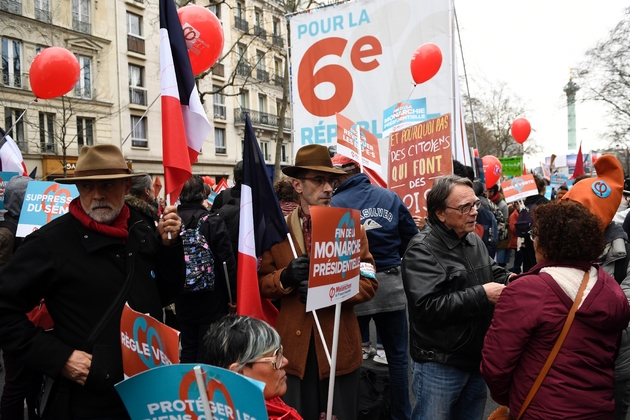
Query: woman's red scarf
x=118, y=229
x=278, y=410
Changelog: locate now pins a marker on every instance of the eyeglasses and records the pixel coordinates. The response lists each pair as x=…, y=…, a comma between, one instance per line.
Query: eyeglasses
x=276, y=359
x=320, y=181
x=467, y=208
x=532, y=235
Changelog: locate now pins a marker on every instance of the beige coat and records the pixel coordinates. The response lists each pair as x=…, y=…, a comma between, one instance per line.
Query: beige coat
x=296, y=326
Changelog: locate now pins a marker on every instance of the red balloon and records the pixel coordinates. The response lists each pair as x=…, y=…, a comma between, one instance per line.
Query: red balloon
x=208, y=180
x=53, y=72
x=520, y=130
x=204, y=36
x=425, y=62
x=492, y=170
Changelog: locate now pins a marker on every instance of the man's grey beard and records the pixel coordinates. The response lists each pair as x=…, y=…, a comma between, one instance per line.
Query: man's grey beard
x=105, y=216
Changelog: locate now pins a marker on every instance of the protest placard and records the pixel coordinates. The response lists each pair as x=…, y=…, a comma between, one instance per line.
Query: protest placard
x=146, y=342
x=335, y=256
x=171, y=392
x=519, y=188
x=512, y=166
x=4, y=178
x=417, y=155
x=44, y=201
x=347, y=144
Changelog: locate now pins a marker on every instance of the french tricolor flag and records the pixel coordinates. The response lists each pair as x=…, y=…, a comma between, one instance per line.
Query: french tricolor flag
x=261, y=226
x=10, y=156
x=185, y=125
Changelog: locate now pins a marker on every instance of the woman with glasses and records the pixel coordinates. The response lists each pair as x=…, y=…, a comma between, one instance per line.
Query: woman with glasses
x=252, y=348
x=532, y=310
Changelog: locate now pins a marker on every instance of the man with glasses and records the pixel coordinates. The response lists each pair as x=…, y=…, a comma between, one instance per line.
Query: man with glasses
x=285, y=278
x=452, y=285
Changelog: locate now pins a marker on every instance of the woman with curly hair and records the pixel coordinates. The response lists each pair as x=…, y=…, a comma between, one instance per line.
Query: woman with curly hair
x=532, y=311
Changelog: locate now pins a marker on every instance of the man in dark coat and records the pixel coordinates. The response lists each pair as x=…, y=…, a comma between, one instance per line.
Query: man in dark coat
x=82, y=263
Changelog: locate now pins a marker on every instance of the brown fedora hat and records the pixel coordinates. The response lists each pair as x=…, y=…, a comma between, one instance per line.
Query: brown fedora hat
x=103, y=161
x=313, y=157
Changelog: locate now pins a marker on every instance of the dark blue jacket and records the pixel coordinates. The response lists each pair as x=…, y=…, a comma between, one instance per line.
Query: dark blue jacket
x=387, y=222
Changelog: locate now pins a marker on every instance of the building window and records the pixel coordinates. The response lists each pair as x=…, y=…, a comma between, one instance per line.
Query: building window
x=42, y=11
x=242, y=99
x=81, y=16
x=239, y=10
x=259, y=24
x=219, y=103
x=261, y=72
x=85, y=132
x=139, y=132
x=216, y=9
x=11, y=6
x=264, y=148
x=83, y=88
x=135, y=42
x=283, y=154
x=219, y=141
x=11, y=115
x=262, y=103
x=11, y=63
x=137, y=91
x=47, y=132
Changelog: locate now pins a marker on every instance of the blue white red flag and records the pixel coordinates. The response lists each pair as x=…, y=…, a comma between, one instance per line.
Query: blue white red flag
x=184, y=122
x=261, y=226
x=10, y=156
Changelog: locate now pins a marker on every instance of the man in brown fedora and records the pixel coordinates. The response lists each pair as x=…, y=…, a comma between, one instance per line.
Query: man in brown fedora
x=283, y=277
x=86, y=264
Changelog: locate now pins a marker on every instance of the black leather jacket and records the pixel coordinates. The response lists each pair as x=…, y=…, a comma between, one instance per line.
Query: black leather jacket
x=449, y=311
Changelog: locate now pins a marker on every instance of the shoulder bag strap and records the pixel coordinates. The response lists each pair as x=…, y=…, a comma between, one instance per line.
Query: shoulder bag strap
x=556, y=347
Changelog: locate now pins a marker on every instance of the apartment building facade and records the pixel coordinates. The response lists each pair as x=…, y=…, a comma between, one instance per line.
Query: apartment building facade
x=117, y=97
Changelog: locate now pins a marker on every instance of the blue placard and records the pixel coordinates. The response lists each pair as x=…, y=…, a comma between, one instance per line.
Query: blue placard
x=405, y=113
x=171, y=391
x=43, y=202
x=4, y=178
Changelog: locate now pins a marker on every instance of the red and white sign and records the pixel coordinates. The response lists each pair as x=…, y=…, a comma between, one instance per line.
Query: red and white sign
x=146, y=342
x=348, y=145
x=417, y=155
x=335, y=256
x=518, y=188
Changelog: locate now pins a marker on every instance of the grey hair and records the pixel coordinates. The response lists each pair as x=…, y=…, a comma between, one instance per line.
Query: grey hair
x=441, y=189
x=238, y=339
x=139, y=184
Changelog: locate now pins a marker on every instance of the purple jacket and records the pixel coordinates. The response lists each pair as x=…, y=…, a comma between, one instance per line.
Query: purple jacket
x=527, y=321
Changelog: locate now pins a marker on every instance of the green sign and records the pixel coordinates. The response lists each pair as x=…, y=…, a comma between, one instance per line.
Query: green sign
x=512, y=166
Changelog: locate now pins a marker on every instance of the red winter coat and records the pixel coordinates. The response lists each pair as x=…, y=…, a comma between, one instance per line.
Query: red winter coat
x=512, y=223
x=527, y=321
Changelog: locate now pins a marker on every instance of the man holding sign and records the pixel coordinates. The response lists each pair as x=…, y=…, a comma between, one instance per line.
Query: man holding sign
x=284, y=277
x=86, y=264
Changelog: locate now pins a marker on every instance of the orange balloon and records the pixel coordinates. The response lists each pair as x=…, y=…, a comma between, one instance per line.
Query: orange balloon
x=521, y=130
x=53, y=72
x=204, y=36
x=492, y=170
x=425, y=62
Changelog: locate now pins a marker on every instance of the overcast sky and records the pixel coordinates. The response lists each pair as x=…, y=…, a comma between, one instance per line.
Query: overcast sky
x=531, y=45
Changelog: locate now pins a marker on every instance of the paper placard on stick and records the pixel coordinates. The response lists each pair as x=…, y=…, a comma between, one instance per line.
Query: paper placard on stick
x=519, y=188
x=417, y=155
x=347, y=144
x=4, y=178
x=146, y=343
x=43, y=202
x=171, y=392
x=335, y=256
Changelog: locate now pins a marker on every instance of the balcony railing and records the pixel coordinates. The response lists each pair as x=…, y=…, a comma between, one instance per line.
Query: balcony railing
x=11, y=6
x=278, y=80
x=260, y=118
x=43, y=15
x=48, y=147
x=262, y=75
x=219, y=70
x=135, y=44
x=81, y=26
x=219, y=111
x=12, y=80
x=278, y=41
x=241, y=24
x=137, y=95
x=243, y=69
x=260, y=32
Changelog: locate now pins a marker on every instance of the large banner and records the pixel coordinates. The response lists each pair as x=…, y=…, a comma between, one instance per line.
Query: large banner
x=146, y=342
x=354, y=58
x=171, y=392
x=418, y=155
x=335, y=256
x=44, y=201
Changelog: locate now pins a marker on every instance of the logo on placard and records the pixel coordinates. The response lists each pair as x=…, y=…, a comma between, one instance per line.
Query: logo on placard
x=401, y=110
x=518, y=184
x=53, y=210
x=156, y=356
x=345, y=233
x=188, y=385
x=601, y=189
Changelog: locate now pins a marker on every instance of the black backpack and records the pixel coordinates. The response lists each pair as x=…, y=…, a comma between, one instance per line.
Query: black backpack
x=231, y=215
x=524, y=221
x=198, y=258
x=503, y=230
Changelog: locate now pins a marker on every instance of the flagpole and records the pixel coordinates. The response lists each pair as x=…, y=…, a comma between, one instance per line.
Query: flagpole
x=333, y=363
x=139, y=120
x=16, y=121
x=203, y=393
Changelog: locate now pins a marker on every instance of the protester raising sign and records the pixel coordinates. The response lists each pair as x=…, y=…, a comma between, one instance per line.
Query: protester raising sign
x=365, y=151
x=335, y=256
x=417, y=155
x=519, y=188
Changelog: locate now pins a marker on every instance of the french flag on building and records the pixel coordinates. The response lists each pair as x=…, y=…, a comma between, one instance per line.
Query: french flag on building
x=185, y=125
x=10, y=156
x=261, y=226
